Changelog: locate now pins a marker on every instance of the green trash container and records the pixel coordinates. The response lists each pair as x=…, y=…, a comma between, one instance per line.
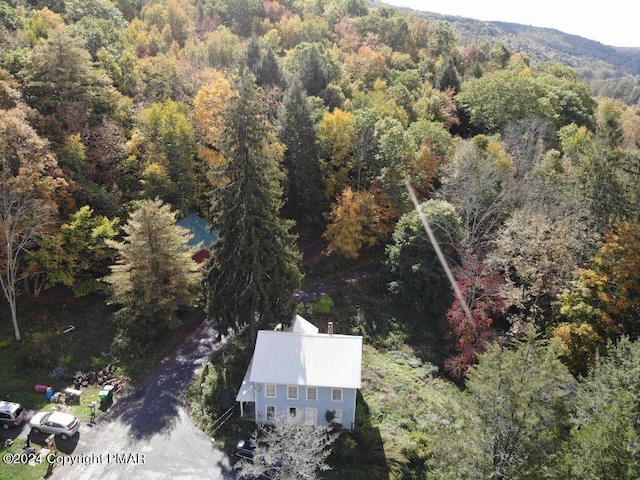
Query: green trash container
x=106, y=395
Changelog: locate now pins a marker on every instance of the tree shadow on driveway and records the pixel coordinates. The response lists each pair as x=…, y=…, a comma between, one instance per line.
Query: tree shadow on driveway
x=153, y=406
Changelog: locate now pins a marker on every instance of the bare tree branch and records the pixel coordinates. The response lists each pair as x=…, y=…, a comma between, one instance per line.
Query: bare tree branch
x=288, y=451
x=24, y=219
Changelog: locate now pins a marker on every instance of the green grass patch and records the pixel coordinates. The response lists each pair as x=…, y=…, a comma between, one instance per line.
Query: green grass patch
x=47, y=355
x=213, y=393
x=18, y=469
x=399, y=394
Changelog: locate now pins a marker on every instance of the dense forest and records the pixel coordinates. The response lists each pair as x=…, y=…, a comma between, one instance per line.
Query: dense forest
x=296, y=122
x=610, y=71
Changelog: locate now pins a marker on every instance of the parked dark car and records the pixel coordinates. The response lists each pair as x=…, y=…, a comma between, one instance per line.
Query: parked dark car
x=244, y=449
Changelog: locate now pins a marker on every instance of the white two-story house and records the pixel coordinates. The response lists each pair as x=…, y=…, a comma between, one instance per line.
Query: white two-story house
x=301, y=375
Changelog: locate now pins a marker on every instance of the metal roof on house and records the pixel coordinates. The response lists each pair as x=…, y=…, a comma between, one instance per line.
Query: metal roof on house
x=247, y=392
x=300, y=325
x=319, y=360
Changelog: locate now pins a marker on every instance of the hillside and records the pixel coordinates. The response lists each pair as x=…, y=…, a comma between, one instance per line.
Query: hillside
x=545, y=44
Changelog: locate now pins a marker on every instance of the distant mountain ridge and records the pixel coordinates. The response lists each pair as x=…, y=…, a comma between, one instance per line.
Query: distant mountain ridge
x=543, y=44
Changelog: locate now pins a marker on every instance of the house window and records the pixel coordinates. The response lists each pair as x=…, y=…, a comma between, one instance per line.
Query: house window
x=310, y=416
x=270, y=390
x=312, y=394
x=292, y=393
x=337, y=416
x=336, y=395
x=293, y=415
x=271, y=413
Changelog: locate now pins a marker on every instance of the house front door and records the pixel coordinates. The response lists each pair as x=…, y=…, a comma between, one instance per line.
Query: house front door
x=311, y=416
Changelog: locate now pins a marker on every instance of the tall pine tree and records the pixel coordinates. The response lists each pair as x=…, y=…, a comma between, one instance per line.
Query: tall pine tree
x=312, y=69
x=253, y=272
x=304, y=199
x=262, y=61
x=154, y=276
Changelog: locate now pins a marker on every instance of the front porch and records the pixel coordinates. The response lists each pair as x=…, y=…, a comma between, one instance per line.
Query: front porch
x=248, y=410
x=247, y=396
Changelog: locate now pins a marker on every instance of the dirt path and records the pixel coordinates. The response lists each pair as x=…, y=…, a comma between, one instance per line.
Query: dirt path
x=314, y=290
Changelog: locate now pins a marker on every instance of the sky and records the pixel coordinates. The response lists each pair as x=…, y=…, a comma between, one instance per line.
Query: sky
x=611, y=22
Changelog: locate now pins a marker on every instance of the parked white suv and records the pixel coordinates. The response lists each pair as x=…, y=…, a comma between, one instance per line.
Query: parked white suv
x=59, y=423
x=11, y=414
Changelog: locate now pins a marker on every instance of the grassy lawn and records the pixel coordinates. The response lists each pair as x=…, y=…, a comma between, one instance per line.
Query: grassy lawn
x=20, y=470
x=44, y=346
x=45, y=350
x=214, y=390
x=399, y=392
x=48, y=356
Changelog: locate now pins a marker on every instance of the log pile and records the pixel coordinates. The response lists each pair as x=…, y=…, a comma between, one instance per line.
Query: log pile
x=105, y=376
x=119, y=382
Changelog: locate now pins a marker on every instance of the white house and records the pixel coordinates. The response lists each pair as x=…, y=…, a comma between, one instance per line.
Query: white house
x=301, y=375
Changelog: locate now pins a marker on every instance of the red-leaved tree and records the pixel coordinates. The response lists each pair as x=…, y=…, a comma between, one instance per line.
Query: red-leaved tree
x=480, y=287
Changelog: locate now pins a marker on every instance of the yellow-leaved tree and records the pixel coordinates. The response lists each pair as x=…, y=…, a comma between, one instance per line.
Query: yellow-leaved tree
x=209, y=104
x=355, y=222
x=336, y=134
x=603, y=302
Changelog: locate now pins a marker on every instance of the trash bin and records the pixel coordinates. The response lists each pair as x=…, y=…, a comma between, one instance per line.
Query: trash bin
x=106, y=395
x=109, y=390
x=48, y=394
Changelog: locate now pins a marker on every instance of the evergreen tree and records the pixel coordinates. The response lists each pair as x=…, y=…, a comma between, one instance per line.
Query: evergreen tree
x=304, y=199
x=252, y=53
x=511, y=422
x=253, y=271
x=268, y=71
x=606, y=431
x=447, y=75
x=154, y=276
x=602, y=174
x=263, y=63
x=313, y=70
x=59, y=75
